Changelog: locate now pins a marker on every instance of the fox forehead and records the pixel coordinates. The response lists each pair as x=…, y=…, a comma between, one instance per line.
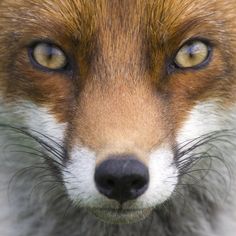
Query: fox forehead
x=120, y=49
x=117, y=29
x=80, y=18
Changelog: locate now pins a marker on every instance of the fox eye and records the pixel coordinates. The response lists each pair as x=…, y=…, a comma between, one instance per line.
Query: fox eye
x=193, y=54
x=48, y=56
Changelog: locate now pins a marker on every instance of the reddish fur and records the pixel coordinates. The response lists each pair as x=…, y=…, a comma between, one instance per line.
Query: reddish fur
x=119, y=96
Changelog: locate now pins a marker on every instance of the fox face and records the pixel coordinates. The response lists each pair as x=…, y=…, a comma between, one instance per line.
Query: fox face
x=127, y=89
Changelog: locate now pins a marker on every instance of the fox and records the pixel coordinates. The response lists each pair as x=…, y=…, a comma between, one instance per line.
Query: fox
x=118, y=117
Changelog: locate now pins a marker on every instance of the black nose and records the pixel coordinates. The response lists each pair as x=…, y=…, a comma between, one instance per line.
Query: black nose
x=122, y=179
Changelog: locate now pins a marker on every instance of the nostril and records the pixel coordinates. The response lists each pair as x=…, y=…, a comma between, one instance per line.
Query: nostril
x=109, y=183
x=115, y=183
x=138, y=184
x=104, y=182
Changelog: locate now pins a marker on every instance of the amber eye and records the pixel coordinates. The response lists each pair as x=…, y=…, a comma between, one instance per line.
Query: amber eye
x=192, y=55
x=49, y=56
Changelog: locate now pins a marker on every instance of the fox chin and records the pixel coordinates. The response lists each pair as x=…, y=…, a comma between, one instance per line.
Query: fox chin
x=118, y=117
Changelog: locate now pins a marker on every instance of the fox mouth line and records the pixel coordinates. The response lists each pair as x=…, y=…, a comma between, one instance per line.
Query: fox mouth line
x=118, y=210
x=121, y=216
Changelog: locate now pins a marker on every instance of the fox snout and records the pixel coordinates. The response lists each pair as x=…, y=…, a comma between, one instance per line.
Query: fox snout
x=122, y=178
x=122, y=86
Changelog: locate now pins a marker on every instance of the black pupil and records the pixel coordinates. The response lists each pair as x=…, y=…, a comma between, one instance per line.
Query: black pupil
x=193, y=49
x=49, y=52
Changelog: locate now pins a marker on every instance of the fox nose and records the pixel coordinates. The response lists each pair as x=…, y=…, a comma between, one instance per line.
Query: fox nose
x=122, y=178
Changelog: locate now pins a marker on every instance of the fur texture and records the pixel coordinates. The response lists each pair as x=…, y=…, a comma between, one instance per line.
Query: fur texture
x=120, y=95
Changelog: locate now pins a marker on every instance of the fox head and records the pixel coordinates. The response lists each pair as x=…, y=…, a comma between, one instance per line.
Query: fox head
x=122, y=86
